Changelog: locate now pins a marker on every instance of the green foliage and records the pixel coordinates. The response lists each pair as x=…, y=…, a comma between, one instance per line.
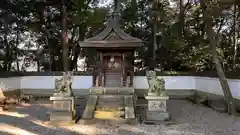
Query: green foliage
x=176, y=51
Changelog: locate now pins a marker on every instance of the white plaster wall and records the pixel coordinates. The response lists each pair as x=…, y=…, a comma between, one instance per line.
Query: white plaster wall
x=10, y=83
x=212, y=85
x=82, y=82
x=205, y=84
x=37, y=82
x=140, y=82
x=179, y=82
x=171, y=82
x=235, y=87
x=48, y=82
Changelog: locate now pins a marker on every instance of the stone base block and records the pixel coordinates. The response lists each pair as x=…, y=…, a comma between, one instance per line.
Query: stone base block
x=157, y=116
x=61, y=116
x=63, y=103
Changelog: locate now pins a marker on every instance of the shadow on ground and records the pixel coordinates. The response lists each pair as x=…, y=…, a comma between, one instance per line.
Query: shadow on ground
x=29, y=119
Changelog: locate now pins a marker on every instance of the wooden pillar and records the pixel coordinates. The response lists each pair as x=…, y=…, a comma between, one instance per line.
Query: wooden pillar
x=94, y=78
x=101, y=76
x=132, y=69
x=123, y=70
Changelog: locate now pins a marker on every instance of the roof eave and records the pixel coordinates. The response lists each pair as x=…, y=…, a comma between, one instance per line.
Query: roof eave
x=111, y=44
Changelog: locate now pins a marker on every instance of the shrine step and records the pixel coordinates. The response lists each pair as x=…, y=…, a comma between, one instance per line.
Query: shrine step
x=109, y=108
x=112, y=90
x=107, y=121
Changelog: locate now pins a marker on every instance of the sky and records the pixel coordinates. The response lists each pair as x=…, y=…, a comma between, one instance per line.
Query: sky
x=103, y=3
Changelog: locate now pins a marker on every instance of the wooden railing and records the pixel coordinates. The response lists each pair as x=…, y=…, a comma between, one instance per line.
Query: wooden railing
x=97, y=78
x=126, y=80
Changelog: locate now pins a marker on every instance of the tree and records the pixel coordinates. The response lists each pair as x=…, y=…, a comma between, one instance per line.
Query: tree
x=180, y=43
x=209, y=9
x=65, y=46
x=235, y=52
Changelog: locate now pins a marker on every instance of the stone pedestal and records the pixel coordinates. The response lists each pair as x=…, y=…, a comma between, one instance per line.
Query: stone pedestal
x=157, y=108
x=63, y=108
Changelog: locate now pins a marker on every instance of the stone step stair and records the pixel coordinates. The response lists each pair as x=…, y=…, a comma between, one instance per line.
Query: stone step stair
x=111, y=100
x=112, y=90
x=124, y=102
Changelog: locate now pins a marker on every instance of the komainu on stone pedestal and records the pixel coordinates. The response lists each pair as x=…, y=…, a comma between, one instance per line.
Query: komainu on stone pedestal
x=157, y=98
x=63, y=100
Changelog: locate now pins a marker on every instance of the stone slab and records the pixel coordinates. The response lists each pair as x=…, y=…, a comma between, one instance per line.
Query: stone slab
x=157, y=105
x=58, y=123
x=157, y=97
x=112, y=90
x=61, y=116
x=129, y=108
x=109, y=101
x=108, y=122
x=126, y=90
x=61, y=98
x=108, y=115
x=129, y=113
x=157, y=116
x=110, y=97
x=96, y=90
x=90, y=107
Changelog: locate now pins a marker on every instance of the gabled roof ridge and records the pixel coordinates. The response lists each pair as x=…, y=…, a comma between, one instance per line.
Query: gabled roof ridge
x=113, y=26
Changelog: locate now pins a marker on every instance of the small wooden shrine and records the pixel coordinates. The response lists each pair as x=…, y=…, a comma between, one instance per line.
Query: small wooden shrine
x=116, y=50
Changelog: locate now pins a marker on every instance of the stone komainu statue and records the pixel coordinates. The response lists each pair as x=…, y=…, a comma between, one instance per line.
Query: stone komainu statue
x=157, y=85
x=63, y=87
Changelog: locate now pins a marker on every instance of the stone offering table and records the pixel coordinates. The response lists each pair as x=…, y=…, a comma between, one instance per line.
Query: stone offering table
x=63, y=108
x=157, y=108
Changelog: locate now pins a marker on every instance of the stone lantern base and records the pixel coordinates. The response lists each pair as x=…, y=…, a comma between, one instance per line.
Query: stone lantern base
x=157, y=108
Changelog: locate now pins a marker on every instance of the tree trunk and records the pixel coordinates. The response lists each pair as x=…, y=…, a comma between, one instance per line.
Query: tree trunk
x=154, y=44
x=64, y=38
x=49, y=53
x=154, y=32
x=212, y=37
x=7, y=50
x=181, y=18
x=234, y=37
x=17, y=43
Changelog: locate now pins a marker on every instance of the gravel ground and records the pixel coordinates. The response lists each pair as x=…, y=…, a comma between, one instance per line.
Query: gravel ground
x=190, y=119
